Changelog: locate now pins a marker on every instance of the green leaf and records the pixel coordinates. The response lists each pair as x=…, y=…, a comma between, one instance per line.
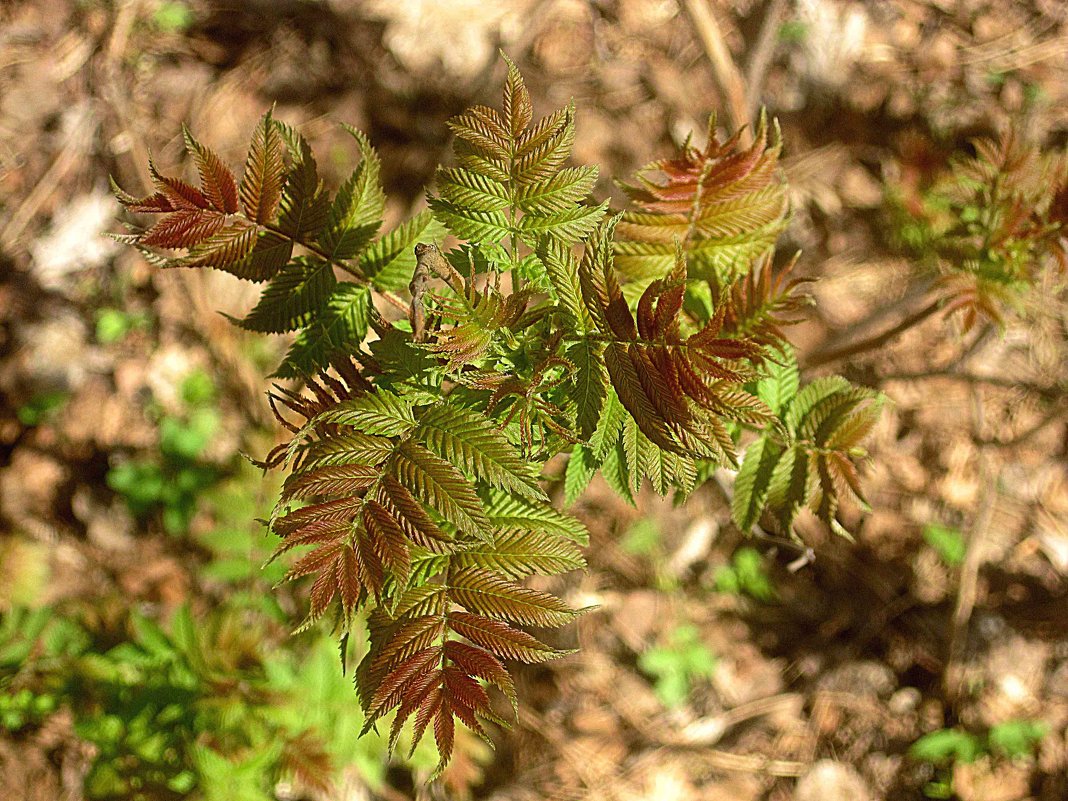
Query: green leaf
x=484, y=227
x=293, y=297
x=614, y=470
x=1016, y=739
x=753, y=482
x=569, y=225
x=810, y=396
x=303, y=206
x=948, y=543
x=485, y=593
x=591, y=381
x=356, y=213
x=440, y=486
x=379, y=413
x=261, y=185
x=517, y=553
x=340, y=328
x=580, y=469
x=469, y=190
x=561, y=268
x=470, y=441
x=946, y=745
x=558, y=193
x=789, y=487
x=609, y=424
x=511, y=515
x=781, y=382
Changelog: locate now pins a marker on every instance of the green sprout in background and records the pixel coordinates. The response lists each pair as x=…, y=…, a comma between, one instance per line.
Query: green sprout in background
x=678, y=664
x=947, y=542
x=173, y=16
x=746, y=575
x=41, y=407
x=112, y=325
x=943, y=748
x=171, y=483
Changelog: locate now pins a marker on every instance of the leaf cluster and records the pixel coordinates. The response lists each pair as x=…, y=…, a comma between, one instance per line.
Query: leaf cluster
x=641, y=344
x=201, y=706
x=989, y=226
x=808, y=460
x=279, y=226
x=725, y=206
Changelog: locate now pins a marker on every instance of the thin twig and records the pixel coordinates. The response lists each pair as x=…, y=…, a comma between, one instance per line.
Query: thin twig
x=763, y=52
x=1046, y=393
x=820, y=358
x=967, y=588
x=725, y=72
x=74, y=149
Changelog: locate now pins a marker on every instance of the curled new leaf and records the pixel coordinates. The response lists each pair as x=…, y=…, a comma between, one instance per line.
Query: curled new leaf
x=678, y=389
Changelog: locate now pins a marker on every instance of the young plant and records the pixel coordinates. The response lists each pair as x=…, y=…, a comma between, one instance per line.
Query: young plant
x=171, y=485
x=988, y=227
x=678, y=664
x=982, y=233
x=747, y=575
x=943, y=748
x=416, y=463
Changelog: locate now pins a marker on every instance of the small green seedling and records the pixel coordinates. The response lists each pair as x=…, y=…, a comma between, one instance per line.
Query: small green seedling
x=41, y=407
x=678, y=664
x=943, y=748
x=746, y=575
x=947, y=542
x=172, y=483
x=112, y=325
x=173, y=17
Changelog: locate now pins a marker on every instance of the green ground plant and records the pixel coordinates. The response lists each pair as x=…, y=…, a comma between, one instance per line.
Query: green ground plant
x=1013, y=739
x=678, y=664
x=169, y=486
x=746, y=574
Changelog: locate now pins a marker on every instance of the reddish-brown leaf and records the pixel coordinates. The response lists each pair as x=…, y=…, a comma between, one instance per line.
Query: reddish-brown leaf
x=323, y=591
x=444, y=732
x=182, y=229
x=216, y=180
x=345, y=479
x=412, y=517
x=465, y=690
x=388, y=694
x=350, y=580
x=501, y=639
x=342, y=509
x=178, y=193
x=322, y=558
x=428, y=708
x=372, y=572
x=484, y=665
x=388, y=540
x=261, y=185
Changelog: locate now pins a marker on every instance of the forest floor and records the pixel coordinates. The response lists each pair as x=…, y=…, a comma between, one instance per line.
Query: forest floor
x=713, y=667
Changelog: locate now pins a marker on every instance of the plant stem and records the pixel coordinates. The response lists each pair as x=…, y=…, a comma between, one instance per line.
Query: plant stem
x=820, y=358
x=725, y=72
x=348, y=268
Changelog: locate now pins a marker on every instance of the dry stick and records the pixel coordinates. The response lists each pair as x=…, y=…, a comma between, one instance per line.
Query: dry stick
x=728, y=78
x=74, y=149
x=763, y=51
x=967, y=589
x=1053, y=393
x=820, y=358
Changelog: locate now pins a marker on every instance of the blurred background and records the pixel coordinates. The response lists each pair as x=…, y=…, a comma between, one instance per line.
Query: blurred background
x=143, y=651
